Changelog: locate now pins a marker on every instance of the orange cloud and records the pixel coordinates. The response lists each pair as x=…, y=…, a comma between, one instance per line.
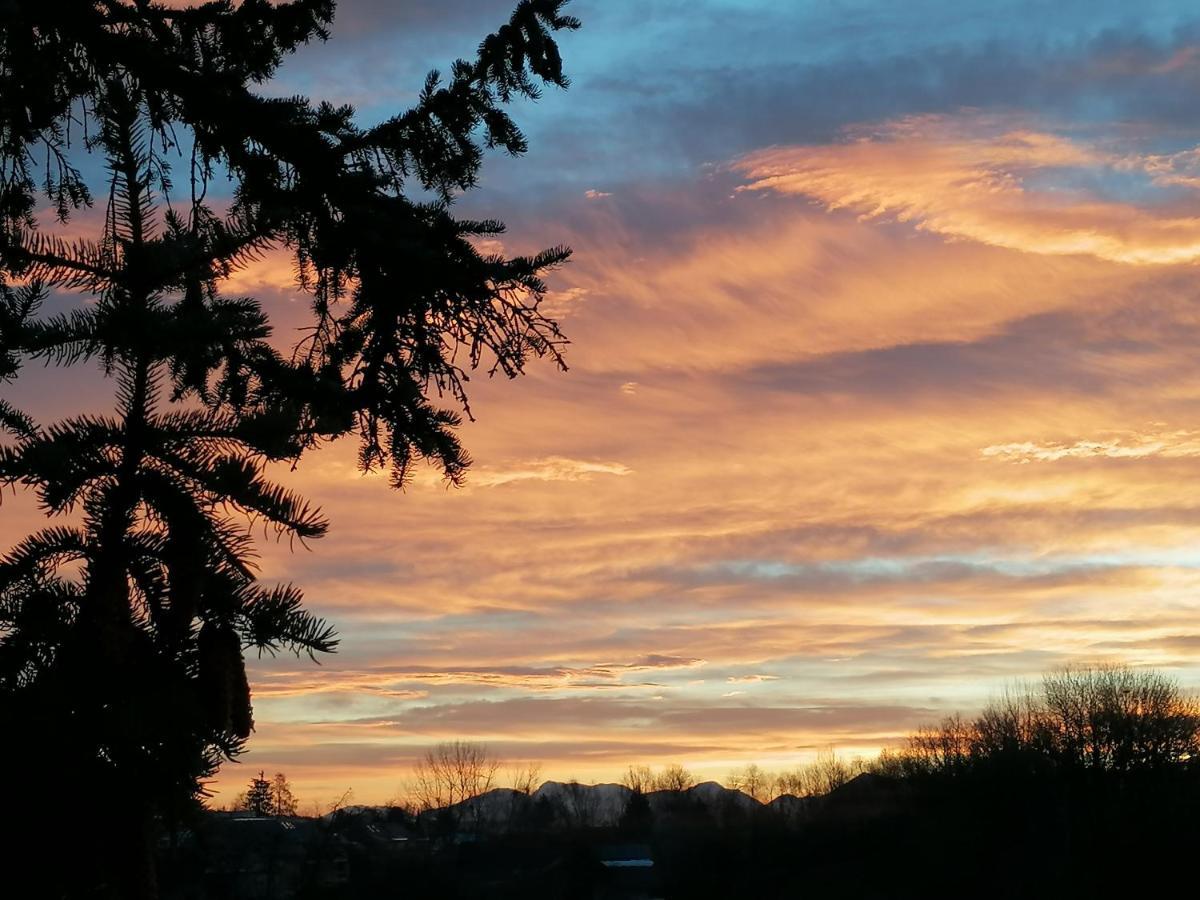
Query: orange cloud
x=969, y=178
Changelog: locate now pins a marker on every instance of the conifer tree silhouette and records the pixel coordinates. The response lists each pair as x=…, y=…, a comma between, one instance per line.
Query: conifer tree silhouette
x=123, y=623
x=259, y=796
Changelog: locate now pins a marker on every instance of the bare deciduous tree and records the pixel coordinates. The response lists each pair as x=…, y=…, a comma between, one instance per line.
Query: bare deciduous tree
x=580, y=804
x=946, y=748
x=1117, y=718
x=823, y=775
x=451, y=773
x=752, y=781
x=1102, y=718
x=525, y=777
x=639, y=779
x=1014, y=725
x=674, y=778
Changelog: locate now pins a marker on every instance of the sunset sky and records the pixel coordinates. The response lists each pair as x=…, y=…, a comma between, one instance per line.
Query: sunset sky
x=884, y=392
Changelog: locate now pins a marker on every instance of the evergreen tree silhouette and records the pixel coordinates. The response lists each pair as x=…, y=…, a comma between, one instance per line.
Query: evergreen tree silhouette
x=123, y=623
x=259, y=796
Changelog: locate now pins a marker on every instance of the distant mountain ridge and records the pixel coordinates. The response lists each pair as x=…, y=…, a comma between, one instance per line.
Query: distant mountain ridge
x=603, y=805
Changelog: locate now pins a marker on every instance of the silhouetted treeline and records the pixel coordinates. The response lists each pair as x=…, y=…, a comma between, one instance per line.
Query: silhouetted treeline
x=1084, y=785
x=1103, y=720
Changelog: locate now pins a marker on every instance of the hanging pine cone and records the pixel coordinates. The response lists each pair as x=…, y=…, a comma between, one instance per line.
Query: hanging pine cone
x=224, y=688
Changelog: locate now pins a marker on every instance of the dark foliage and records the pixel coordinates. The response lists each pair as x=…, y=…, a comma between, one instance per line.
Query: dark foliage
x=1009, y=837
x=123, y=625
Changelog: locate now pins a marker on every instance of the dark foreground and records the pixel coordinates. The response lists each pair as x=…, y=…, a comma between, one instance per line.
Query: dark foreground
x=994, y=833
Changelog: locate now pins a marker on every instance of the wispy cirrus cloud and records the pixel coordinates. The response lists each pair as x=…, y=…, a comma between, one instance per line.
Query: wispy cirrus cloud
x=552, y=468
x=975, y=177
x=1174, y=444
x=412, y=682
